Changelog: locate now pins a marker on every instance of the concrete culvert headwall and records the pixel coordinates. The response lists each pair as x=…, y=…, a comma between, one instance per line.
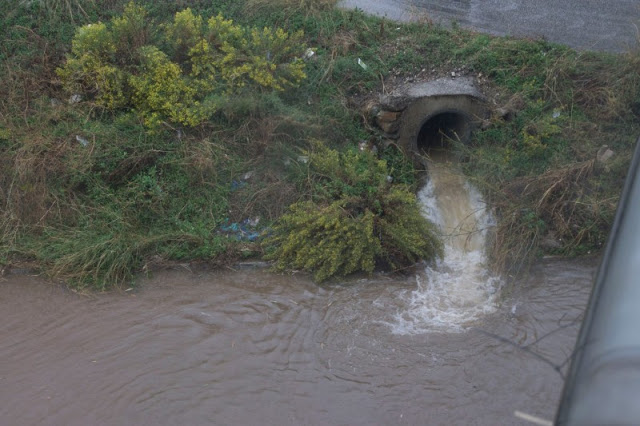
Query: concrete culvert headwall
x=429, y=115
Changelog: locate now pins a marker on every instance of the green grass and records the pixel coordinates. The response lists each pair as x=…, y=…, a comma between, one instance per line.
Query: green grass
x=96, y=214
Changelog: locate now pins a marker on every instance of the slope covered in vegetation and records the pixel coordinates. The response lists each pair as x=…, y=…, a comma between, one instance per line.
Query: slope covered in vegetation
x=154, y=131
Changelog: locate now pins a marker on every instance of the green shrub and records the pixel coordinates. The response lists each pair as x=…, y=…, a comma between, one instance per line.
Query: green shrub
x=357, y=221
x=160, y=92
x=121, y=64
x=326, y=240
x=91, y=69
x=130, y=32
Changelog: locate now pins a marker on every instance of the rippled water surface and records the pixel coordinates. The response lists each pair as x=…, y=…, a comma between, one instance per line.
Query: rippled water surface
x=253, y=348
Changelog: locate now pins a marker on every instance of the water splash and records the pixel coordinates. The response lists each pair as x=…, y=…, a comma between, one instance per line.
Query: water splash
x=458, y=289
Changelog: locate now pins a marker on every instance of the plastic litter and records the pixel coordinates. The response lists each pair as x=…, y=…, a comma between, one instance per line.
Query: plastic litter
x=82, y=140
x=236, y=184
x=243, y=231
x=308, y=54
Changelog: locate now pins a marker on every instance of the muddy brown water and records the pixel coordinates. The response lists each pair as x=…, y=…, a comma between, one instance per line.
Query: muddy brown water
x=253, y=348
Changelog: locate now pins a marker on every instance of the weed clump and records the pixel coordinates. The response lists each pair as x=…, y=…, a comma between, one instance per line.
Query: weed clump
x=356, y=220
x=560, y=208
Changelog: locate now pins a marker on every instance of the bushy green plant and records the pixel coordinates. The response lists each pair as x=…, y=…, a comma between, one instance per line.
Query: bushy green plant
x=357, y=221
x=130, y=32
x=121, y=64
x=91, y=68
x=537, y=137
x=326, y=240
x=161, y=92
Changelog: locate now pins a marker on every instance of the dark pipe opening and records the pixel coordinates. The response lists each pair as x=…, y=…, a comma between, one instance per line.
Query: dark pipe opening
x=441, y=129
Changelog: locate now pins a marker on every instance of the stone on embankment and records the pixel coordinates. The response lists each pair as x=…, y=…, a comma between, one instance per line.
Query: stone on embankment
x=388, y=121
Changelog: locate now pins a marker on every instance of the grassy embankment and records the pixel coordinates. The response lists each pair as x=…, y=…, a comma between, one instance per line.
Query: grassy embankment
x=93, y=194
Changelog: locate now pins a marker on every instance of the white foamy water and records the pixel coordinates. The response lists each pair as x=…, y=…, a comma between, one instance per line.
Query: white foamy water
x=458, y=289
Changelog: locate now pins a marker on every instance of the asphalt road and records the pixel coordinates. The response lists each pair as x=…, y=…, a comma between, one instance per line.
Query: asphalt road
x=605, y=25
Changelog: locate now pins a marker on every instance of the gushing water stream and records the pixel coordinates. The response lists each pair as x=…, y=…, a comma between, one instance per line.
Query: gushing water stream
x=459, y=289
